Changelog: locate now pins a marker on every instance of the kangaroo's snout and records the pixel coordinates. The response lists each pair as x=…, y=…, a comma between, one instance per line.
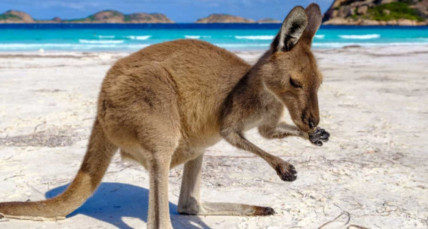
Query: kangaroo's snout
x=309, y=120
x=313, y=122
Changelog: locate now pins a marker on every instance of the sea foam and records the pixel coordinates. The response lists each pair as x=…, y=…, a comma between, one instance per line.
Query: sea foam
x=106, y=36
x=191, y=37
x=196, y=36
x=83, y=41
x=141, y=38
x=261, y=37
x=360, y=37
x=69, y=46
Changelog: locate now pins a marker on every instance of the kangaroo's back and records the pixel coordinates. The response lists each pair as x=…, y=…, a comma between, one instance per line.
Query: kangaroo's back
x=201, y=74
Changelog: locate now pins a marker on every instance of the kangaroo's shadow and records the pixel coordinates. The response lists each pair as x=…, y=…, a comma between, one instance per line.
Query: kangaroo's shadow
x=113, y=201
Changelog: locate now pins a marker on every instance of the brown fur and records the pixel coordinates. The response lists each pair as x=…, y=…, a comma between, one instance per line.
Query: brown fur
x=163, y=105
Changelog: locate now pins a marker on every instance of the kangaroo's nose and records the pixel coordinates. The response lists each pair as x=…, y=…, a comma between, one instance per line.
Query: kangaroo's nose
x=311, y=124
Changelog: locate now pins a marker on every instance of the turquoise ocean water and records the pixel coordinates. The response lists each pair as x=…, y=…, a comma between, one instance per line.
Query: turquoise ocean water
x=127, y=37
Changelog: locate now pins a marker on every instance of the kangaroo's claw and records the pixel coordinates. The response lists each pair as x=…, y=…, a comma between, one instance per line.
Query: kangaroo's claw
x=286, y=172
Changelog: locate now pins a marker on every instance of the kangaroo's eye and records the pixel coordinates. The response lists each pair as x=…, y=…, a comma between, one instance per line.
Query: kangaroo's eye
x=295, y=84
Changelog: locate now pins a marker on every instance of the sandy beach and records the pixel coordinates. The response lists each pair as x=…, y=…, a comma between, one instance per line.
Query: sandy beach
x=373, y=173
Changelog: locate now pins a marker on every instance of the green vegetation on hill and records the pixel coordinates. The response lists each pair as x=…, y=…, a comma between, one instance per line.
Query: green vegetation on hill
x=110, y=13
x=131, y=17
x=393, y=11
x=377, y=12
x=127, y=18
x=76, y=20
x=117, y=17
x=9, y=16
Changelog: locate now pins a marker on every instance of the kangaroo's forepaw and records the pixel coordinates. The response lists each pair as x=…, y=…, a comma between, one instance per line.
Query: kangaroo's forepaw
x=286, y=172
x=319, y=136
x=261, y=211
x=1, y=216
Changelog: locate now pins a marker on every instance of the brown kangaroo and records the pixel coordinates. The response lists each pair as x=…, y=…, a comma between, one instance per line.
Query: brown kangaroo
x=163, y=105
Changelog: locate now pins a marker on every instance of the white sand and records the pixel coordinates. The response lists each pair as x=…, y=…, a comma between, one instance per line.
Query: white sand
x=373, y=173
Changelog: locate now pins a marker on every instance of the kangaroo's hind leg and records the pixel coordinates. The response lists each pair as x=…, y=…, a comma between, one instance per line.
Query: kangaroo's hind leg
x=154, y=151
x=189, y=202
x=141, y=113
x=158, y=139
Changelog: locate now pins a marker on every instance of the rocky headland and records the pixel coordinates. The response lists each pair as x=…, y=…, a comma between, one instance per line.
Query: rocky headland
x=377, y=12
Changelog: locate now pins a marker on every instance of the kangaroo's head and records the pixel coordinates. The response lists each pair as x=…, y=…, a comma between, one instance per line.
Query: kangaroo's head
x=289, y=69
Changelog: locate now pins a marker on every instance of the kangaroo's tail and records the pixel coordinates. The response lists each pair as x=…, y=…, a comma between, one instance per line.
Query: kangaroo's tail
x=98, y=157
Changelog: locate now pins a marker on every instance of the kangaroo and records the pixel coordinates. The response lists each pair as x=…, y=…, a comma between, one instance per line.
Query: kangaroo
x=163, y=105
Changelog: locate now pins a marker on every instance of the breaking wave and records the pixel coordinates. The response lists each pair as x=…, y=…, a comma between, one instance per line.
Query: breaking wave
x=360, y=37
x=106, y=36
x=140, y=38
x=83, y=41
x=195, y=36
x=262, y=37
x=191, y=37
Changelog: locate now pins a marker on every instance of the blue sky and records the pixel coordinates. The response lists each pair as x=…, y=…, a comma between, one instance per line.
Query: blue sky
x=177, y=10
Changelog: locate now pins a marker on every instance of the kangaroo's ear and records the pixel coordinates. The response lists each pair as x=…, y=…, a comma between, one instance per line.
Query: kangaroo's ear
x=313, y=12
x=291, y=30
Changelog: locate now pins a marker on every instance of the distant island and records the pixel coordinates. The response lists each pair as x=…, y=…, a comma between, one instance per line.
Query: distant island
x=227, y=18
x=224, y=18
x=113, y=16
x=341, y=12
x=377, y=12
x=268, y=20
x=105, y=16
